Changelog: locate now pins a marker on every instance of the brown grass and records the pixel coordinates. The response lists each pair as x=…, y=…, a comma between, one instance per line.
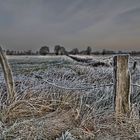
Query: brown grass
x=36, y=117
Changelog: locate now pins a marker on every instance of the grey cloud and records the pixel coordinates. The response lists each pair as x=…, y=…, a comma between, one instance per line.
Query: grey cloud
x=73, y=23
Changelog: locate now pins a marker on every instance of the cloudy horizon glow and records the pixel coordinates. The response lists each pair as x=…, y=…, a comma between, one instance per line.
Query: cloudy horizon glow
x=101, y=24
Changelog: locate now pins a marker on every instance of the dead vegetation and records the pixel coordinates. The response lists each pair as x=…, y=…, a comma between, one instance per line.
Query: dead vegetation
x=41, y=118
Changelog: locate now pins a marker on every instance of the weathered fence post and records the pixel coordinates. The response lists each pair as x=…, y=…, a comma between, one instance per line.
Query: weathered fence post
x=8, y=76
x=122, y=85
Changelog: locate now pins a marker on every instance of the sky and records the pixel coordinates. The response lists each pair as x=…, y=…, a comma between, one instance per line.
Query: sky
x=101, y=24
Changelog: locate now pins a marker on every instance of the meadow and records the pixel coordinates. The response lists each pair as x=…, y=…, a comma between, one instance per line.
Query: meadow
x=61, y=99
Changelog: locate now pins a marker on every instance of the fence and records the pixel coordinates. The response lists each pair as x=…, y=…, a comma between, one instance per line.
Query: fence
x=122, y=82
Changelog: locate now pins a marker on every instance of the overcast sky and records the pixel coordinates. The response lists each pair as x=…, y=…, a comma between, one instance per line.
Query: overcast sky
x=101, y=24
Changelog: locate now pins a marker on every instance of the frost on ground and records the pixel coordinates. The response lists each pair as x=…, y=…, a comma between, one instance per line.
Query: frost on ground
x=59, y=98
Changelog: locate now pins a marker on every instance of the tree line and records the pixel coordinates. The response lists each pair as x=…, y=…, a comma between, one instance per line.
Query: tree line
x=60, y=50
x=45, y=50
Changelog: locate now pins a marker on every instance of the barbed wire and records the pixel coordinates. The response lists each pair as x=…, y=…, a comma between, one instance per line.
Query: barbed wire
x=135, y=85
x=76, y=88
x=134, y=59
x=58, y=84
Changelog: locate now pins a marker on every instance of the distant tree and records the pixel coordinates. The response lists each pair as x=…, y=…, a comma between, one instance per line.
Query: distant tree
x=84, y=52
x=89, y=50
x=7, y=52
x=74, y=51
x=15, y=52
x=37, y=53
x=59, y=50
x=96, y=53
x=104, y=52
x=44, y=50
x=108, y=52
x=120, y=52
x=56, y=49
x=62, y=51
x=29, y=52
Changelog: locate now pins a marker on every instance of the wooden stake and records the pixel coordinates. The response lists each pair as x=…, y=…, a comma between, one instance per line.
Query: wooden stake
x=122, y=85
x=8, y=76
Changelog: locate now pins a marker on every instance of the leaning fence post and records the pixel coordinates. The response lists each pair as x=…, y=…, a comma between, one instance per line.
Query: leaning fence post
x=122, y=85
x=8, y=76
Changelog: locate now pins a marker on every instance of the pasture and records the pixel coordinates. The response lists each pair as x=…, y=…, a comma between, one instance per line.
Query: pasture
x=61, y=99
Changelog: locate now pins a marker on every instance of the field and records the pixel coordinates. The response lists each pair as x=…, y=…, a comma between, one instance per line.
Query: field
x=61, y=99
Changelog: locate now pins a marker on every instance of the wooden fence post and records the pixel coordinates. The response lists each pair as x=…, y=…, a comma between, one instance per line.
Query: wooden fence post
x=122, y=85
x=8, y=76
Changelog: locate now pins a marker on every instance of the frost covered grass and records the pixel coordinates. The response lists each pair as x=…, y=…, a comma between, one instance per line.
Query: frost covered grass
x=58, y=98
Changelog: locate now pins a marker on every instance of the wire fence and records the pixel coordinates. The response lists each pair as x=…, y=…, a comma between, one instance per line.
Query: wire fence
x=135, y=78
x=65, y=76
